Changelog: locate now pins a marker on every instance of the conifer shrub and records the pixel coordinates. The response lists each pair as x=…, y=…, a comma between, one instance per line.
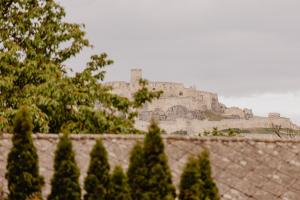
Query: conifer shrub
x=208, y=189
x=36, y=196
x=97, y=182
x=158, y=174
x=196, y=181
x=22, y=164
x=136, y=172
x=190, y=182
x=65, y=181
x=119, y=185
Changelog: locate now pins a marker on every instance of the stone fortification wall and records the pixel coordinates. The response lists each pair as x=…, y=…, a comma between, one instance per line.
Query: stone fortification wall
x=177, y=90
x=236, y=112
x=195, y=127
x=185, y=108
x=170, y=89
x=121, y=88
x=172, y=92
x=165, y=103
x=244, y=168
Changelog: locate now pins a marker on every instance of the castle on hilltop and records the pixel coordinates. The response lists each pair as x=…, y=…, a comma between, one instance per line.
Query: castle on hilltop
x=189, y=109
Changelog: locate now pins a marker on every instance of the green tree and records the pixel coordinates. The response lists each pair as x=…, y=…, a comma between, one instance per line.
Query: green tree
x=65, y=181
x=158, y=175
x=137, y=172
x=190, y=182
x=209, y=189
x=35, y=43
x=97, y=182
x=22, y=163
x=119, y=185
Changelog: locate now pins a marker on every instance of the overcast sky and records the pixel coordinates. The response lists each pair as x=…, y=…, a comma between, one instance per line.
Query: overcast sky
x=247, y=51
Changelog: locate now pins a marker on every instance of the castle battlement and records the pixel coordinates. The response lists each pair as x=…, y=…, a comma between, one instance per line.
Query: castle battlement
x=174, y=95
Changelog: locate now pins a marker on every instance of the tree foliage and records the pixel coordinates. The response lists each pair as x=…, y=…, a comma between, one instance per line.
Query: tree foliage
x=97, y=182
x=136, y=172
x=208, y=189
x=119, y=185
x=158, y=175
x=148, y=173
x=227, y=132
x=35, y=43
x=22, y=164
x=190, y=182
x=196, y=181
x=65, y=181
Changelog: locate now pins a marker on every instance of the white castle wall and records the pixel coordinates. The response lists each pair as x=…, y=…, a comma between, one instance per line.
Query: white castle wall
x=234, y=111
x=175, y=92
x=198, y=126
x=170, y=89
x=178, y=90
x=121, y=88
x=165, y=103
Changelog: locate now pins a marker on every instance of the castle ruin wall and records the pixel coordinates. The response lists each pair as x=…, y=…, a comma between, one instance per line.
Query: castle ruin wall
x=194, y=127
x=179, y=104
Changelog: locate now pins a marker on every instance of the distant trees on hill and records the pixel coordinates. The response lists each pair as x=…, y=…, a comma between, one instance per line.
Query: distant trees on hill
x=217, y=132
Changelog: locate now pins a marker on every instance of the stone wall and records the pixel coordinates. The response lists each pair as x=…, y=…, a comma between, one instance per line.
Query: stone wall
x=165, y=103
x=194, y=127
x=235, y=111
x=121, y=88
x=244, y=168
x=172, y=92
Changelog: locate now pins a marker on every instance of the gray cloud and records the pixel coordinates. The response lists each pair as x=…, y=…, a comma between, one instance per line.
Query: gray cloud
x=232, y=47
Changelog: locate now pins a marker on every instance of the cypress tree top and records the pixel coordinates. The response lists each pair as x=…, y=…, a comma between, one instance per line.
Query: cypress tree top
x=136, y=172
x=97, y=182
x=209, y=189
x=65, y=181
x=119, y=185
x=22, y=164
x=159, y=179
x=190, y=182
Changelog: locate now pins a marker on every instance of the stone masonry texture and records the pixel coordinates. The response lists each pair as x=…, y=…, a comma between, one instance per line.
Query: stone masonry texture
x=243, y=168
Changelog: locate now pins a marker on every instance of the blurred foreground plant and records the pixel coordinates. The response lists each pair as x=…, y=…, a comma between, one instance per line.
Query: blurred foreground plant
x=35, y=43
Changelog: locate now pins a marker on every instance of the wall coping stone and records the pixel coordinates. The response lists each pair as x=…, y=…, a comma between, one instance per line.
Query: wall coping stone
x=295, y=139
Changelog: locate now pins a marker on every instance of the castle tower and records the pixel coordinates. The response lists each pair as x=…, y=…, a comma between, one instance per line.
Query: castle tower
x=136, y=75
